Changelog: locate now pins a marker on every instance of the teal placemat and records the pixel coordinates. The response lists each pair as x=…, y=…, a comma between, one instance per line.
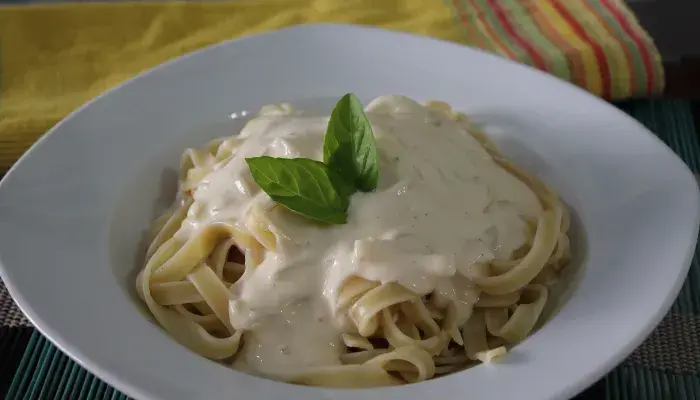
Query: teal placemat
x=666, y=366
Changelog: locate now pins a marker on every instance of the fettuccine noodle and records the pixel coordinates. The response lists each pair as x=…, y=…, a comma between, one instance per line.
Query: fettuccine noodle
x=448, y=264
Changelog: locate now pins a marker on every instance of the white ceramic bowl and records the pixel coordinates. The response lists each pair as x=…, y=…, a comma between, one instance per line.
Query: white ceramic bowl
x=75, y=207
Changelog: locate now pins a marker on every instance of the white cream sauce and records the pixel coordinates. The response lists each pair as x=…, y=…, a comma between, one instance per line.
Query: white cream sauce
x=442, y=207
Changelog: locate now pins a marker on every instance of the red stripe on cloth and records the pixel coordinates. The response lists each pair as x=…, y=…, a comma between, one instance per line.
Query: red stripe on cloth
x=577, y=66
x=494, y=37
x=537, y=59
x=646, y=57
x=467, y=25
x=597, y=50
x=629, y=58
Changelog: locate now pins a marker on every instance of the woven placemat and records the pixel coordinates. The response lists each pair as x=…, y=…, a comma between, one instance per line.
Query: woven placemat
x=666, y=366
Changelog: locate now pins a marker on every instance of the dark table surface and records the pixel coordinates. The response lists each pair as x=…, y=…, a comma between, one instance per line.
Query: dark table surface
x=683, y=77
x=674, y=27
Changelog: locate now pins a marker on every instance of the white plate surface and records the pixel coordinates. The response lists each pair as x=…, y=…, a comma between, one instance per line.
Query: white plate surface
x=73, y=210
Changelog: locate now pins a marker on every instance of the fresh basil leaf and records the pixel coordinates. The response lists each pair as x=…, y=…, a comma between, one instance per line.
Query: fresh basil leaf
x=307, y=187
x=349, y=144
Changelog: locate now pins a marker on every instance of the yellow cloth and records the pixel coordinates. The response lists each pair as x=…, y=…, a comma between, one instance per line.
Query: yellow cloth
x=53, y=58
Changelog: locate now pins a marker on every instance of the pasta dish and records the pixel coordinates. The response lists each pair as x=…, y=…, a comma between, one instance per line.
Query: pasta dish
x=433, y=252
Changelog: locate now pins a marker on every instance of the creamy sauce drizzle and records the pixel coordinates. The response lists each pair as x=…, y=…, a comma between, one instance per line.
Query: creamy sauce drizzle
x=442, y=208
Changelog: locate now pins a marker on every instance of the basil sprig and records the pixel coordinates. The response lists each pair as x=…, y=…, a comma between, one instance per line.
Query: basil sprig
x=349, y=144
x=322, y=190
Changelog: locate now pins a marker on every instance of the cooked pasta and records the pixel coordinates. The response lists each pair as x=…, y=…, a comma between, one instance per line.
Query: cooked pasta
x=448, y=263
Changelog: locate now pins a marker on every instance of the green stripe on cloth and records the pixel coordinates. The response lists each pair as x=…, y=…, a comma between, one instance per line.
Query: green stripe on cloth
x=493, y=20
x=617, y=61
x=666, y=366
x=522, y=20
x=638, y=78
x=509, y=27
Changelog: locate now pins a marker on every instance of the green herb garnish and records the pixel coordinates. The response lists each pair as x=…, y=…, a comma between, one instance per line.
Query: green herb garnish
x=349, y=144
x=322, y=190
x=307, y=187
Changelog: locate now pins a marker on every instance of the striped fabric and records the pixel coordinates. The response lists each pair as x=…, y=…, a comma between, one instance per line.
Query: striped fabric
x=597, y=44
